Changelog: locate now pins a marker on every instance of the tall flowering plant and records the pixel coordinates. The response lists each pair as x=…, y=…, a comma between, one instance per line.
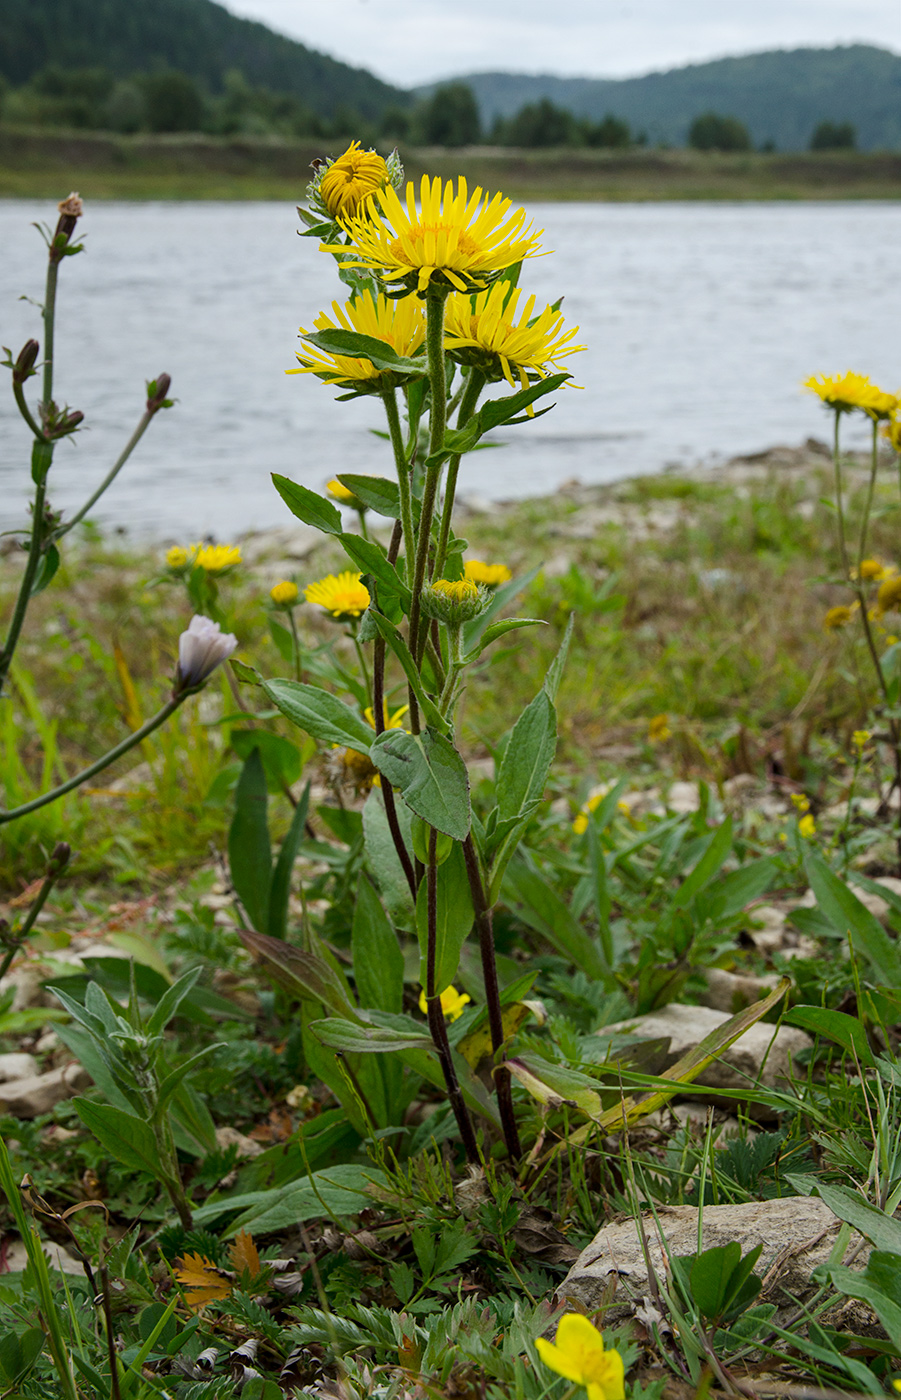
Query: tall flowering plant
x=434, y=325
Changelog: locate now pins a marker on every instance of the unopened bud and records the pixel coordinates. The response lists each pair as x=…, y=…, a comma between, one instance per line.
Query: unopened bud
x=67, y=424
x=62, y=853
x=70, y=211
x=157, y=389
x=24, y=366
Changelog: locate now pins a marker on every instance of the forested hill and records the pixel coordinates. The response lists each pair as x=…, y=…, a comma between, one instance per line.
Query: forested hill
x=779, y=95
x=196, y=37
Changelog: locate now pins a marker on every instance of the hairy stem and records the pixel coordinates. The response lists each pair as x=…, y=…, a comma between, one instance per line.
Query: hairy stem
x=403, y=477
x=475, y=382
x=378, y=713
x=868, y=504
x=436, y=1016
x=437, y=425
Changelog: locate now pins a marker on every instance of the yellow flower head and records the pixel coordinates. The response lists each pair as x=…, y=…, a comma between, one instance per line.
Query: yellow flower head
x=215, y=558
x=394, y=721
x=892, y=431
x=591, y=805
x=453, y=239
x=578, y=1354
x=849, y=391
x=337, y=491
x=860, y=738
x=351, y=179
x=485, y=331
x=452, y=1003
x=801, y=801
x=459, y=590
x=888, y=599
x=807, y=826
x=400, y=324
x=659, y=730
x=342, y=595
x=284, y=594
x=490, y=575
x=839, y=616
x=871, y=569
x=359, y=768
x=176, y=557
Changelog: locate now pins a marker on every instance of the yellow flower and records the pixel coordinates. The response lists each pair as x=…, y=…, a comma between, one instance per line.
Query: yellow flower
x=459, y=590
x=484, y=331
x=801, y=801
x=453, y=239
x=871, y=569
x=176, y=557
x=488, y=574
x=359, y=767
x=342, y=595
x=892, y=431
x=659, y=730
x=351, y=179
x=284, y=594
x=334, y=488
x=839, y=616
x=215, y=558
x=452, y=1002
x=888, y=599
x=400, y=324
x=860, y=738
x=807, y=826
x=591, y=805
x=578, y=1353
x=390, y=721
x=849, y=391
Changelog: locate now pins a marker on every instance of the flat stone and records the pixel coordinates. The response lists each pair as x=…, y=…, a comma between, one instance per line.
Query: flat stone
x=733, y=991
x=797, y=1234
x=27, y=1098
x=229, y=1137
x=684, y=797
x=57, y=1257
x=17, y=1066
x=762, y=1054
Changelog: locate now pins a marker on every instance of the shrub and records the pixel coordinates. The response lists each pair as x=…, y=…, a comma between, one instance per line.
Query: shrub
x=834, y=136
x=712, y=132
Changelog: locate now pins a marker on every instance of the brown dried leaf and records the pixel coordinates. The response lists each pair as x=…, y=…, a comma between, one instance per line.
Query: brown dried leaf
x=244, y=1255
x=204, y=1283
x=535, y=1234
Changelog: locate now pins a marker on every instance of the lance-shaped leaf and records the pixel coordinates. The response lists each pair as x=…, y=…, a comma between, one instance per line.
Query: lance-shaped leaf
x=430, y=774
x=455, y=917
x=303, y=975
x=319, y=713
x=500, y=629
x=399, y=646
x=127, y=1138
x=556, y=1084
x=377, y=492
x=527, y=758
x=377, y=956
x=370, y=558
x=352, y=1039
x=249, y=849
x=477, y=626
x=498, y=411
x=366, y=347
x=852, y=919
x=281, y=875
x=308, y=506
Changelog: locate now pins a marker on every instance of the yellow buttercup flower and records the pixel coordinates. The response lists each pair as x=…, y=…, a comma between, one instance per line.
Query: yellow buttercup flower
x=453, y=239
x=659, y=730
x=849, y=391
x=892, y=430
x=807, y=826
x=801, y=802
x=860, y=738
x=452, y=1003
x=490, y=575
x=284, y=594
x=839, y=616
x=351, y=179
x=400, y=324
x=176, y=557
x=485, y=331
x=334, y=488
x=342, y=595
x=578, y=1353
x=215, y=558
x=580, y=824
x=394, y=721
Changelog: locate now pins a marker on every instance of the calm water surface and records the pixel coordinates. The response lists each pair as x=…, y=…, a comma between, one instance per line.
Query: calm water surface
x=701, y=321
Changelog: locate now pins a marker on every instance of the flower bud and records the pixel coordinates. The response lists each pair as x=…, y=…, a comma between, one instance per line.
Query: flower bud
x=66, y=423
x=24, y=366
x=60, y=858
x=202, y=648
x=157, y=389
x=70, y=211
x=454, y=600
x=284, y=594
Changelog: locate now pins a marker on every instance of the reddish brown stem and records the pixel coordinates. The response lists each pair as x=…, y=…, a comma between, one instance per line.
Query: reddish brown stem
x=436, y=1016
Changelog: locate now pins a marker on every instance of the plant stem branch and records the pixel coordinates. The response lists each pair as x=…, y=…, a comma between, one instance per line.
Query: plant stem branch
x=378, y=714
x=58, y=863
x=403, y=477
x=475, y=382
x=437, y=425
x=35, y=549
x=19, y=394
x=110, y=476
x=436, y=1016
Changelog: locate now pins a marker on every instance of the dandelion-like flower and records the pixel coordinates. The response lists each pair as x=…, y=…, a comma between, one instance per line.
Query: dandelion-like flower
x=400, y=324
x=284, y=594
x=202, y=648
x=342, y=595
x=871, y=569
x=850, y=391
x=491, y=333
x=452, y=1003
x=176, y=557
x=888, y=599
x=339, y=492
x=359, y=767
x=807, y=826
x=345, y=183
x=839, y=616
x=659, y=730
x=578, y=1353
x=489, y=575
x=801, y=802
x=215, y=558
x=892, y=430
x=453, y=239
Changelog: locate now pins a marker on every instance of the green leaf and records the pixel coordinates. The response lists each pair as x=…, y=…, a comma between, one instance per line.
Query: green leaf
x=538, y=905
x=430, y=774
x=710, y=1275
x=500, y=629
x=370, y=558
x=474, y=630
x=497, y=411
x=47, y=567
x=368, y=1040
x=281, y=875
x=879, y=1285
x=398, y=645
x=846, y=1031
x=319, y=713
x=377, y=492
x=171, y=1000
x=736, y=890
x=382, y=859
x=303, y=975
x=125, y=1136
x=527, y=758
x=19, y=1353
x=880, y=1229
x=455, y=919
x=555, y=670
x=309, y=507
x=41, y=459
x=249, y=850
x=342, y=1190
x=377, y=957
x=365, y=347
x=718, y=848
x=850, y=918
x=281, y=758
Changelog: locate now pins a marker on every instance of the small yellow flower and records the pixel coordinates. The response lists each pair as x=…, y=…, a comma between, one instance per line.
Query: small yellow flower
x=459, y=590
x=394, y=721
x=284, y=594
x=888, y=599
x=849, y=391
x=897, y=1385
x=215, y=558
x=342, y=595
x=659, y=730
x=807, y=826
x=452, y=1002
x=452, y=238
x=351, y=179
x=839, y=616
x=491, y=575
x=801, y=801
x=339, y=492
x=400, y=324
x=358, y=767
x=860, y=738
x=578, y=1353
x=871, y=569
x=591, y=805
x=176, y=557
x=892, y=431
x=485, y=331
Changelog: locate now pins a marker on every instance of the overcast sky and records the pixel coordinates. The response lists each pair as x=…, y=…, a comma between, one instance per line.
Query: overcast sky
x=414, y=41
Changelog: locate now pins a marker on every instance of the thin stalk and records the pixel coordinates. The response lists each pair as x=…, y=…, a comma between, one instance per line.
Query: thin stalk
x=437, y=425
x=296, y=642
x=475, y=382
x=492, y=997
x=49, y=316
x=839, y=506
x=110, y=476
x=58, y=863
x=35, y=549
x=378, y=714
x=362, y=518
x=403, y=477
x=868, y=505
x=19, y=393
x=136, y=738
x=436, y=1016
x=362, y=660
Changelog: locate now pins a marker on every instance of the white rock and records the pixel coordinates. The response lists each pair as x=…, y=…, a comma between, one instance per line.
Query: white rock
x=17, y=1066
x=27, y=1098
x=228, y=1137
x=684, y=797
x=57, y=1258
x=733, y=991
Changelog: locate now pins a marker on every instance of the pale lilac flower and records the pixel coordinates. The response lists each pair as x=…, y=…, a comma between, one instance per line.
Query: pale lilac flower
x=200, y=651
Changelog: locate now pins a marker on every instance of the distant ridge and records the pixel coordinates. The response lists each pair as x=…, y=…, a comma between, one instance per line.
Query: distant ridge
x=780, y=95
x=196, y=36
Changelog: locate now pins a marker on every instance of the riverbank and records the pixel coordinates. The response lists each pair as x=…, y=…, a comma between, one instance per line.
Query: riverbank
x=37, y=164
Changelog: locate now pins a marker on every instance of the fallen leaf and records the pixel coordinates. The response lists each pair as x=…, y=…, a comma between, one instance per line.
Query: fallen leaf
x=202, y=1280
x=244, y=1255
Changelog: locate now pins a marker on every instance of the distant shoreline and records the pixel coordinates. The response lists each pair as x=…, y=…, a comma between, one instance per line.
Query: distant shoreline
x=39, y=164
